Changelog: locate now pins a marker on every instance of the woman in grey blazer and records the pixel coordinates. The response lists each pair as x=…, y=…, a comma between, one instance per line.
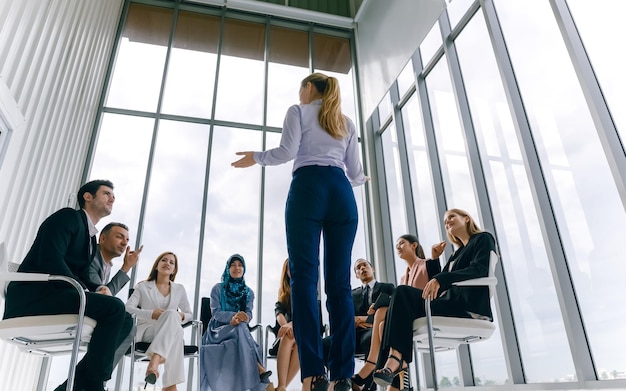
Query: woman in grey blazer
x=161, y=306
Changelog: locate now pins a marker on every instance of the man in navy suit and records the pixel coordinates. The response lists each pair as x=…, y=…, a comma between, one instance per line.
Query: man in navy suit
x=362, y=298
x=65, y=245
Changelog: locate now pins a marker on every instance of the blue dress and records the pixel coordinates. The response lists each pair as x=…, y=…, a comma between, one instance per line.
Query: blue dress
x=229, y=355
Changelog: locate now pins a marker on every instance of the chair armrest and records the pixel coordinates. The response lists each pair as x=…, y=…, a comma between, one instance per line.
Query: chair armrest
x=482, y=281
x=7, y=276
x=254, y=328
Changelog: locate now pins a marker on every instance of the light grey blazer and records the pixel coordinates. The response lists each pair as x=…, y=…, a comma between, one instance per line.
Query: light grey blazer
x=147, y=297
x=95, y=275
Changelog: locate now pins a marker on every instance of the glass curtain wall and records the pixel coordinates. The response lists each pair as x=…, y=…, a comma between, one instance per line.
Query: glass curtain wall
x=189, y=87
x=504, y=122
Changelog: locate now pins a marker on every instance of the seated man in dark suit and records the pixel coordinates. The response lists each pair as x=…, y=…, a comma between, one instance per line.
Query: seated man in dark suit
x=65, y=245
x=363, y=298
x=113, y=242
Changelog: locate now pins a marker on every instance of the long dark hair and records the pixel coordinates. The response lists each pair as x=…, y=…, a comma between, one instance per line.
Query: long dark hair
x=419, y=251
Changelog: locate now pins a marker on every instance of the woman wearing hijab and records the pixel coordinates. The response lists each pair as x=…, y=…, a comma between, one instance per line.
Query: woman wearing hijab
x=230, y=358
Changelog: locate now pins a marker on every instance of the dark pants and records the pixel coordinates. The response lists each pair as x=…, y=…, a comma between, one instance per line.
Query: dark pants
x=321, y=201
x=113, y=324
x=406, y=306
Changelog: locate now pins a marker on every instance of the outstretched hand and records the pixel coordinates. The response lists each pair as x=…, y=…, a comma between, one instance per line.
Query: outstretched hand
x=246, y=161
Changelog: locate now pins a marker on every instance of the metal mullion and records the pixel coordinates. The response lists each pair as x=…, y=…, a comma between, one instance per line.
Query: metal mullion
x=372, y=233
x=407, y=184
x=598, y=107
x=469, y=14
x=572, y=319
x=386, y=266
x=435, y=166
x=433, y=61
x=259, y=293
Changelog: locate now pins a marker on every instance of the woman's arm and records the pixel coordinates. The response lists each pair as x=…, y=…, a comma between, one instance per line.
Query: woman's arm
x=132, y=305
x=289, y=140
x=249, y=305
x=184, y=306
x=475, y=259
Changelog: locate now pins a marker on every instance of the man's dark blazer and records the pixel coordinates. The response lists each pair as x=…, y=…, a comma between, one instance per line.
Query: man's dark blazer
x=364, y=336
x=61, y=247
x=357, y=295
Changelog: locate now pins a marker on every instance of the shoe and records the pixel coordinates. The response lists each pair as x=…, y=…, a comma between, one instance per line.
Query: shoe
x=151, y=377
x=343, y=385
x=265, y=376
x=384, y=377
x=361, y=384
x=319, y=383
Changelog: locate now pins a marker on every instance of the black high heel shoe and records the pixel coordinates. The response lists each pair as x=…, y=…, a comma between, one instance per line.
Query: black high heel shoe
x=265, y=376
x=384, y=377
x=359, y=383
x=151, y=378
x=319, y=383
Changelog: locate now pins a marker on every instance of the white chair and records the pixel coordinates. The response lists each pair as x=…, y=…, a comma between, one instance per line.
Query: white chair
x=47, y=335
x=439, y=333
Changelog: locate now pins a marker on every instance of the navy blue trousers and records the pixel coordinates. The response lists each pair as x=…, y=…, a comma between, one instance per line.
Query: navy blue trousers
x=321, y=202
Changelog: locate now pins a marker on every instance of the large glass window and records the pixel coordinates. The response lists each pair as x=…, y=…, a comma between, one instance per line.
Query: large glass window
x=600, y=26
x=590, y=217
x=173, y=179
x=539, y=325
x=140, y=62
x=191, y=72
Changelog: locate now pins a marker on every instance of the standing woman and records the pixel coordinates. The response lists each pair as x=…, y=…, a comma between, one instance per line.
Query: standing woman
x=287, y=361
x=161, y=306
x=470, y=260
x=230, y=358
x=324, y=146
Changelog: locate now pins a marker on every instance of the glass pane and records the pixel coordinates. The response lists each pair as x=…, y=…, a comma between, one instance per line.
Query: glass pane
x=406, y=79
x=241, y=82
x=590, y=217
x=174, y=205
x=456, y=10
x=233, y=204
x=139, y=63
x=450, y=141
x=288, y=65
x=600, y=24
x=428, y=222
x=332, y=56
x=122, y=157
x=431, y=43
x=539, y=325
x=385, y=109
x=191, y=72
x=395, y=191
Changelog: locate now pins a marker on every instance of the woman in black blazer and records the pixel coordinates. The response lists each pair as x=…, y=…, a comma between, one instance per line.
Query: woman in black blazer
x=470, y=260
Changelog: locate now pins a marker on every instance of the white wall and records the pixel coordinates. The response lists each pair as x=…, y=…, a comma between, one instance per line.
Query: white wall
x=387, y=35
x=53, y=58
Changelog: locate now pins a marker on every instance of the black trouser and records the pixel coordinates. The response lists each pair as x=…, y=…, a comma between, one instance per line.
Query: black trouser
x=406, y=306
x=113, y=324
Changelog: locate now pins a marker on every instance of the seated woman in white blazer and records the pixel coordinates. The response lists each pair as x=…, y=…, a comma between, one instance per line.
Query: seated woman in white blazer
x=161, y=306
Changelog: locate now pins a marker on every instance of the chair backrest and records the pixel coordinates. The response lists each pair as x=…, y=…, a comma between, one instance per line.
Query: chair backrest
x=205, y=313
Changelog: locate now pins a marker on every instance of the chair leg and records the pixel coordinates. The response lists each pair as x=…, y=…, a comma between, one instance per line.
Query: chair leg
x=431, y=344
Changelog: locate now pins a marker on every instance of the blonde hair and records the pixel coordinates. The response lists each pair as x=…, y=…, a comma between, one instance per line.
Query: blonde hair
x=471, y=227
x=330, y=117
x=154, y=271
x=284, y=289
